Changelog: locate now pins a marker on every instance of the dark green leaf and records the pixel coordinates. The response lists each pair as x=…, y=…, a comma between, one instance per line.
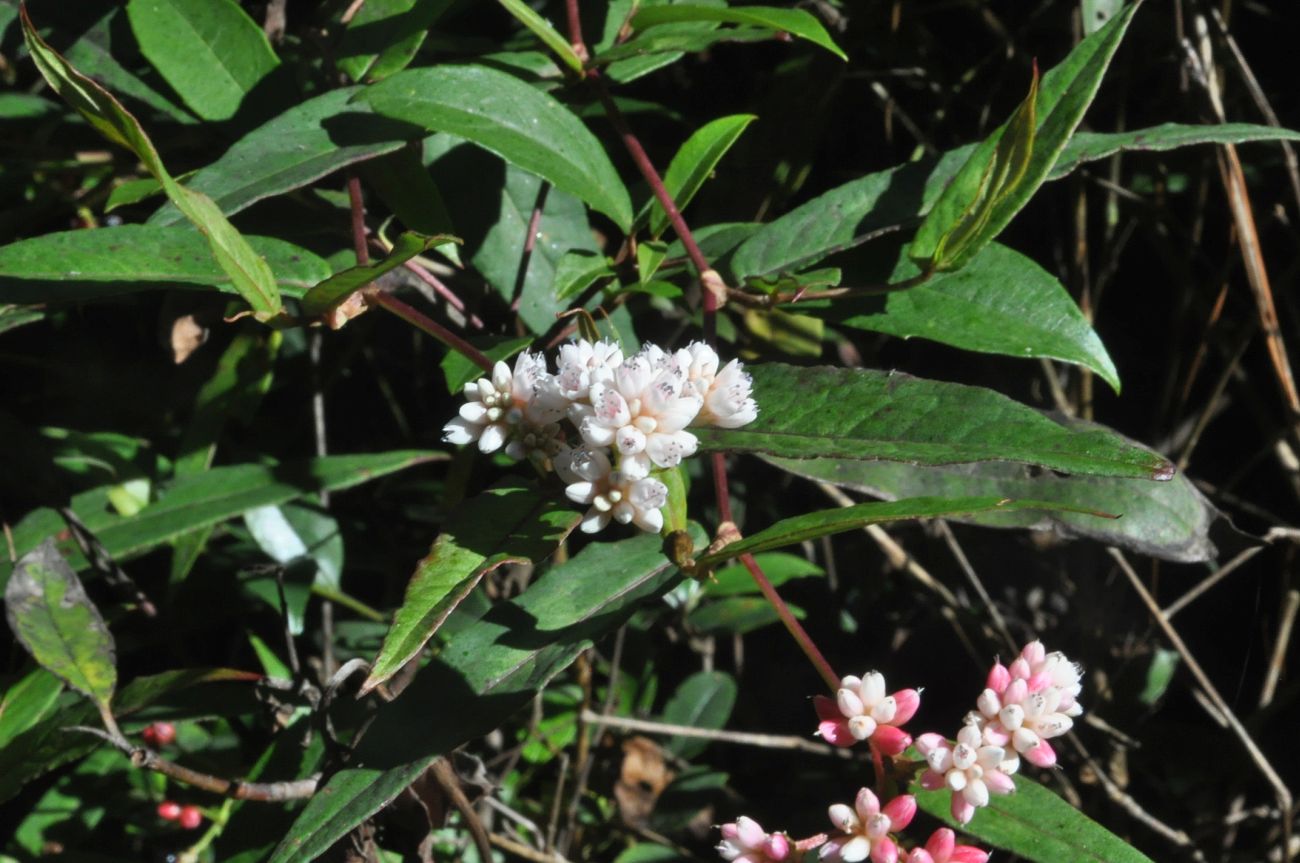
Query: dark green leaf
x=694, y=163
x=12, y=317
x=339, y=286
x=488, y=671
x=789, y=531
x=994, y=184
x=796, y=22
x=506, y=524
x=403, y=183
x=703, y=700
x=249, y=273
x=578, y=270
x=999, y=303
x=49, y=612
x=517, y=122
x=1090, y=146
x=209, y=51
x=302, y=145
x=867, y=414
x=1036, y=825
x=1169, y=520
x=293, y=531
x=384, y=35
x=74, y=266
x=738, y=615
x=209, y=498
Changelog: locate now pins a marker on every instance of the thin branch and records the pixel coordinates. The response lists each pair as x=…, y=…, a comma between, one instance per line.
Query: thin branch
x=741, y=738
x=449, y=782
x=421, y=321
x=792, y=624
x=357, y=206
x=262, y=792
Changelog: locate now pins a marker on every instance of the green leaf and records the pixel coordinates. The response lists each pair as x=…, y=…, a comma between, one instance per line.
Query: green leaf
x=863, y=413
x=694, y=163
x=577, y=270
x=999, y=303
x=1005, y=170
x=703, y=700
x=520, y=124
x=209, y=498
x=796, y=22
x=737, y=615
x=14, y=316
x=488, y=671
x=401, y=180
x=495, y=212
x=49, y=612
x=1036, y=825
x=1160, y=673
x=74, y=266
x=508, y=523
x=1090, y=146
x=249, y=273
x=339, y=286
x=209, y=51
x=778, y=566
x=789, y=531
x=293, y=531
x=1169, y=520
x=26, y=702
x=543, y=30
x=458, y=370
x=307, y=142
x=382, y=38
x=791, y=334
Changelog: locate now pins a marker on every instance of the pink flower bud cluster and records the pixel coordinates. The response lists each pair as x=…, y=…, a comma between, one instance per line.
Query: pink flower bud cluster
x=626, y=418
x=1023, y=705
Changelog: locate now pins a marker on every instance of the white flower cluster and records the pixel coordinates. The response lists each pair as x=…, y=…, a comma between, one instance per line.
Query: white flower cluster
x=630, y=416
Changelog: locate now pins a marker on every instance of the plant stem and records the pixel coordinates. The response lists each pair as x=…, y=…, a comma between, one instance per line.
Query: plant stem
x=421, y=321
x=792, y=625
x=710, y=308
x=358, y=220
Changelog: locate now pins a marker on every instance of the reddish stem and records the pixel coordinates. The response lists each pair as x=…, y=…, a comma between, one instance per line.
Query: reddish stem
x=438, y=331
x=720, y=484
x=791, y=624
x=575, y=28
x=358, y=220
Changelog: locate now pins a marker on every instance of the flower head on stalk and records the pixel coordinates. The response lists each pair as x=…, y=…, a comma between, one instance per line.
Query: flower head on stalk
x=612, y=494
x=642, y=412
x=582, y=363
x=862, y=711
x=942, y=847
x=726, y=394
x=1028, y=703
x=744, y=841
x=865, y=827
x=971, y=768
x=519, y=407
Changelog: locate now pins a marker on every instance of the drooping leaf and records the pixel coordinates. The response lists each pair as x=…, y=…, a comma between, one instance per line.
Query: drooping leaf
x=337, y=287
x=509, y=523
x=249, y=273
x=299, y=147
x=796, y=22
x=1006, y=169
x=694, y=163
x=703, y=700
x=778, y=566
x=1090, y=146
x=999, y=303
x=867, y=414
x=1170, y=520
x=402, y=181
x=75, y=266
x=384, y=35
x=209, y=51
x=799, y=528
x=1035, y=824
x=545, y=31
x=488, y=671
x=293, y=531
x=206, y=499
x=520, y=124
x=49, y=612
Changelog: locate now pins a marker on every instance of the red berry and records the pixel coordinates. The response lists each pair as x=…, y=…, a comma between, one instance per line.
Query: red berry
x=163, y=733
x=150, y=735
x=169, y=810
x=190, y=817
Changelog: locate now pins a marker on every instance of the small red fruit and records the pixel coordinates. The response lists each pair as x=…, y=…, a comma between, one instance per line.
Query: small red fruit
x=169, y=810
x=159, y=734
x=190, y=817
